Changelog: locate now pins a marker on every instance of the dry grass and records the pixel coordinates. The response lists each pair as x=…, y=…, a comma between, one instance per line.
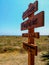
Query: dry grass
x=11, y=43
x=12, y=52
x=15, y=58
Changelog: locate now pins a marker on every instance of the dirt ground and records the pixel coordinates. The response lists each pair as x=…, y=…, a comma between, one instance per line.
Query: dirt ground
x=15, y=58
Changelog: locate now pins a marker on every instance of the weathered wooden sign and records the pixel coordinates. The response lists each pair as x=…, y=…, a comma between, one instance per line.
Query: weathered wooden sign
x=30, y=47
x=37, y=21
x=34, y=35
x=33, y=21
x=33, y=7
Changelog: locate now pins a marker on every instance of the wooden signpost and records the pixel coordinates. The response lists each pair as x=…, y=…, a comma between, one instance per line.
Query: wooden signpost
x=31, y=9
x=33, y=21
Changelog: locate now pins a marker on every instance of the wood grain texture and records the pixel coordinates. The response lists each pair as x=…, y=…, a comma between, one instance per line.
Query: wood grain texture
x=34, y=22
x=35, y=35
x=30, y=47
x=33, y=7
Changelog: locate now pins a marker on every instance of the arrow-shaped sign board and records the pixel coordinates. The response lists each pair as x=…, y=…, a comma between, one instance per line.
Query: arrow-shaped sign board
x=37, y=21
x=33, y=7
x=34, y=35
x=30, y=47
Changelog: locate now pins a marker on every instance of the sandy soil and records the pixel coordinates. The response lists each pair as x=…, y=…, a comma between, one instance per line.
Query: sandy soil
x=15, y=58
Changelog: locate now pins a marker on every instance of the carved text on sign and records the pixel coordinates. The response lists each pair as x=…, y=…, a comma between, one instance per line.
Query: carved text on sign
x=37, y=21
x=30, y=23
x=34, y=35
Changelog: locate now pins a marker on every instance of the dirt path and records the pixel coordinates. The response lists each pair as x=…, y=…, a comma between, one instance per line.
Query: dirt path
x=15, y=58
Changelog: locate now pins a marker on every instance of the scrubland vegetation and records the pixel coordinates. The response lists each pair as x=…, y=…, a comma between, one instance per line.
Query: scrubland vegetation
x=11, y=47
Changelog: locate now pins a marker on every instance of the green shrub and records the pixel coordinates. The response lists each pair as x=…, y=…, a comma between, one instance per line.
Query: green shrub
x=45, y=57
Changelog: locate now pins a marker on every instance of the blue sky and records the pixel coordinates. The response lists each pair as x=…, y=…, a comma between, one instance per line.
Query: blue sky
x=11, y=16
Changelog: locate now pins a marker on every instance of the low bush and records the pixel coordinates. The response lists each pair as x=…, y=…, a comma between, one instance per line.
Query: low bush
x=45, y=57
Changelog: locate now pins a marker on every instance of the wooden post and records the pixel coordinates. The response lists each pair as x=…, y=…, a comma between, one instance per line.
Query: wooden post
x=30, y=54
